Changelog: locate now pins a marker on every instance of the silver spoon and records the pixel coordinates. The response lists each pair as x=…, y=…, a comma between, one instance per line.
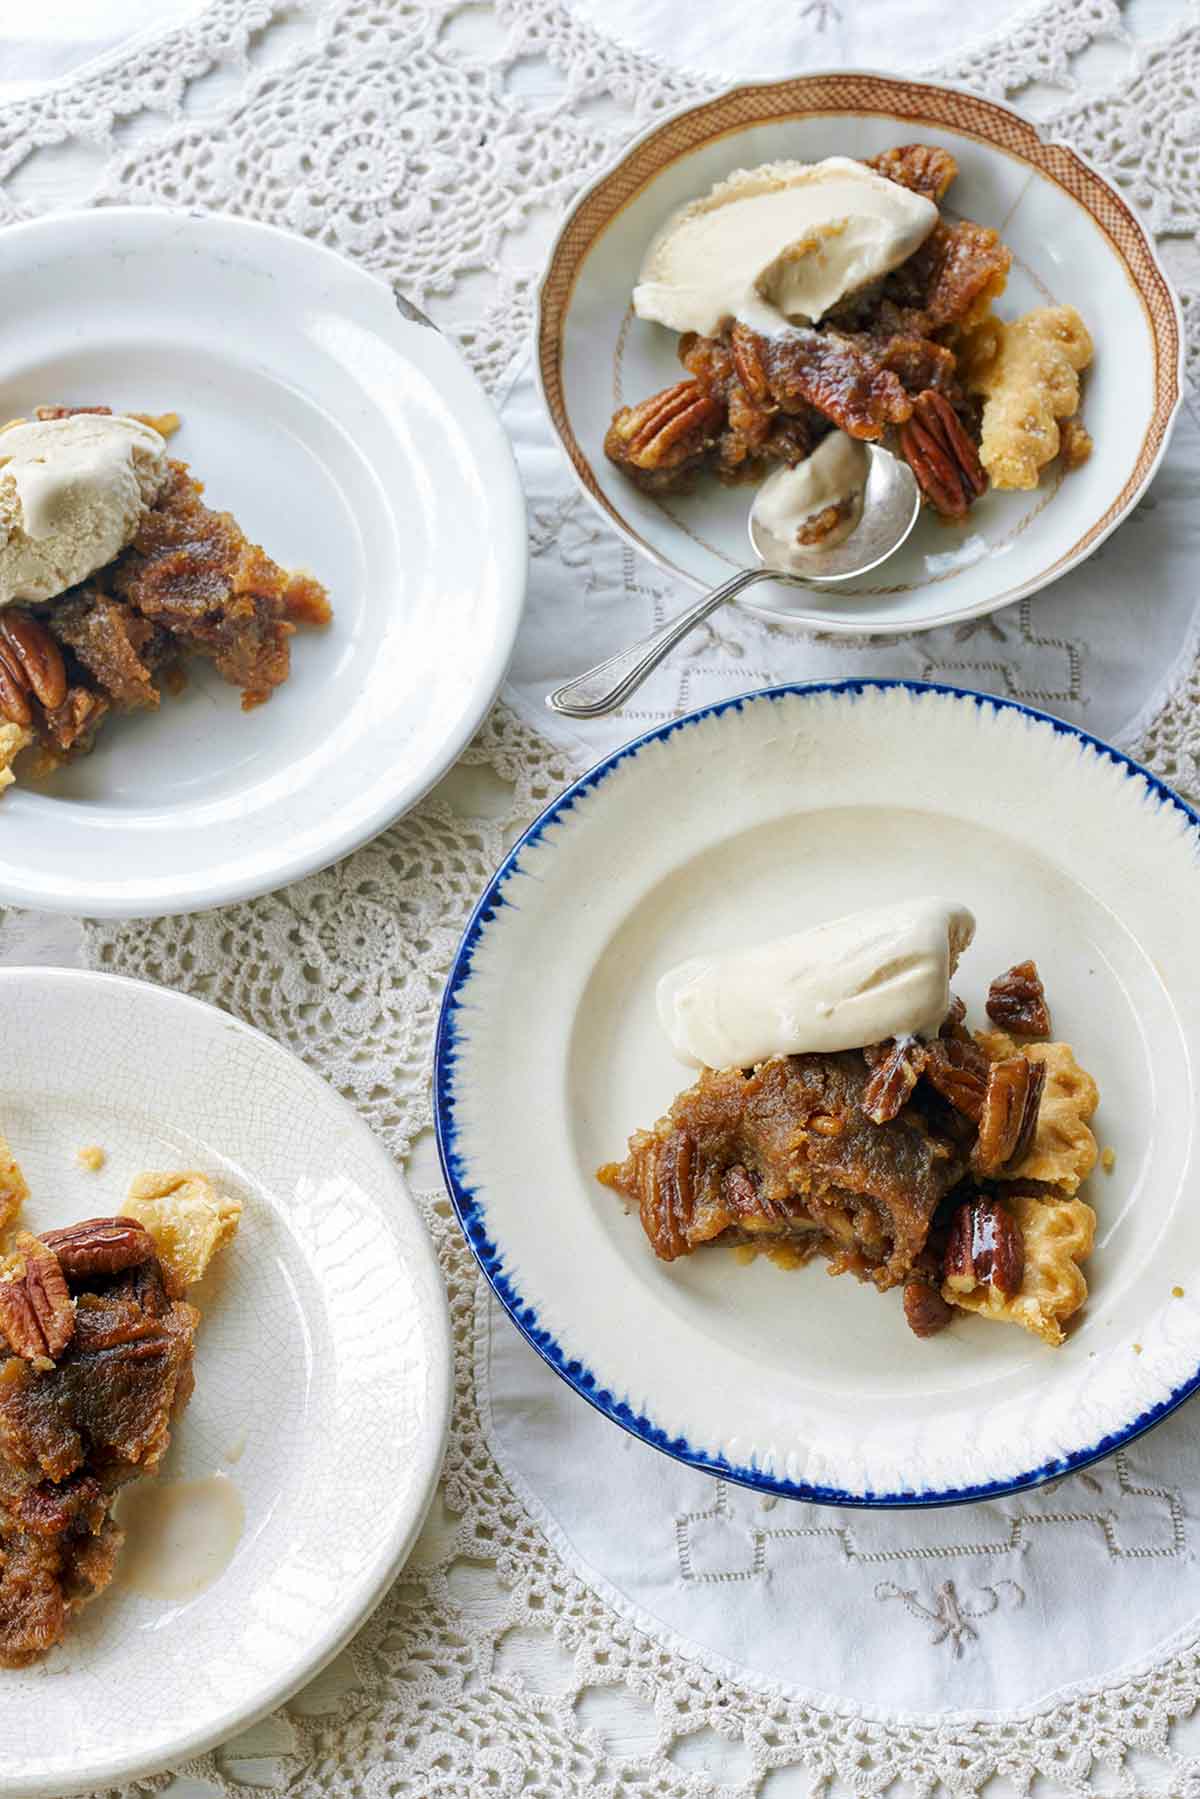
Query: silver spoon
x=891, y=506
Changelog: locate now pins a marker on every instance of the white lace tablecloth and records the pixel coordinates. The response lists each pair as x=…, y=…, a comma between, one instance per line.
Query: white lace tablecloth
x=654, y=1633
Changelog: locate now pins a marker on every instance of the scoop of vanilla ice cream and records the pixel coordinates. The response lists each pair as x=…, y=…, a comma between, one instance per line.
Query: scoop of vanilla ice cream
x=72, y=494
x=860, y=979
x=836, y=472
x=779, y=245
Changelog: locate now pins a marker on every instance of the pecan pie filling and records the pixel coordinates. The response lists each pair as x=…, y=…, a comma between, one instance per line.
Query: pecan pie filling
x=96, y=1342
x=915, y=358
x=188, y=582
x=947, y=1164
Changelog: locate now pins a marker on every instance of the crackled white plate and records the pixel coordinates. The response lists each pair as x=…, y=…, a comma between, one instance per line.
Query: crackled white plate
x=323, y=1367
x=763, y=815
x=1074, y=240
x=346, y=438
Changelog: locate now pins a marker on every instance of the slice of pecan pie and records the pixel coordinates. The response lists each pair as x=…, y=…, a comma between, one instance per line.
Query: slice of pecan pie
x=98, y=1361
x=190, y=583
x=95, y=1365
x=950, y=1167
x=786, y=1153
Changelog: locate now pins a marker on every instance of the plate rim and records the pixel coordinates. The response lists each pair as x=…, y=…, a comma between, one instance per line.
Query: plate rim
x=464, y=1196
x=547, y=336
x=505, y=486
x=441, y=1365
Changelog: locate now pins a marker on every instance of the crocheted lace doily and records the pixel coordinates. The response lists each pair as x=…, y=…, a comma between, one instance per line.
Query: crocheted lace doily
x=493, y=1667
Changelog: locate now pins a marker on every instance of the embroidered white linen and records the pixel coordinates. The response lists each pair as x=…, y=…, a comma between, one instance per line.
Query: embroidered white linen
x=527, y=1650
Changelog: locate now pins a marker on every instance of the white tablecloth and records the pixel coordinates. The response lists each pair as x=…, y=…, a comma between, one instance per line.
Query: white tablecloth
x=661, y=1633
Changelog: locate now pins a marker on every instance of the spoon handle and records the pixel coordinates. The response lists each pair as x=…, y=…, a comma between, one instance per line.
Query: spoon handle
x=604, y=687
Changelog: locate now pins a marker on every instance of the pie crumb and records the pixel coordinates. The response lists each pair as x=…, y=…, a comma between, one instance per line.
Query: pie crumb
x=189, y=1219
x=1108, y=1159
x=1076, y=442
x=165, y=423
x=91, y=1156
x=13, y=1190
x=13, y=739
x=1137, y=1349
x=1176, y=1292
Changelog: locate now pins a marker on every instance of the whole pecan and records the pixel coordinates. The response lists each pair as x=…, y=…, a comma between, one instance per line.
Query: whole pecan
x=36, y=1313
x=666, y=429
x=669, y=1199
x=925, y=1311
x=985, y=1248
x=747, y=360
x=919, y=167
x=1008, y=1115
x=958, y=1069
x=100, y=1246
x=1016, y=1001
x=896, y=1074
x=941, y=455
x=30, y=663
x=14, y=694
x=1029, y=1115
x=39, y=658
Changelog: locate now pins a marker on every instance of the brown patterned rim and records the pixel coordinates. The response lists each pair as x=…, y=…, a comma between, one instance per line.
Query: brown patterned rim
x=917, y=104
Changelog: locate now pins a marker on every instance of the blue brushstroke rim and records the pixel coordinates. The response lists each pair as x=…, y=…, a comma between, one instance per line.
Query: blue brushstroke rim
x=470, y=1212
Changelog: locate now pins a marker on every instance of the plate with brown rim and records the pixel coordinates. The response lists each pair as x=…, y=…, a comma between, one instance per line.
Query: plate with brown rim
x=1074, y=240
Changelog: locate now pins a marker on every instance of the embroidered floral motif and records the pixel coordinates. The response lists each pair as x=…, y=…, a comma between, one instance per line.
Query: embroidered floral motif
x=822, y=14
x=953, y=1621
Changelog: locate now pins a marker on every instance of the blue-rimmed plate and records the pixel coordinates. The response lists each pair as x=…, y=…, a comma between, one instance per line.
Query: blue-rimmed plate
x=763, y=815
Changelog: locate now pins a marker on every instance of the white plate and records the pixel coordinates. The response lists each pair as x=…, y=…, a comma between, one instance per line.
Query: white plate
x=768, y=814
x=323, y=1367
x=1073, y=237
x=344, y=438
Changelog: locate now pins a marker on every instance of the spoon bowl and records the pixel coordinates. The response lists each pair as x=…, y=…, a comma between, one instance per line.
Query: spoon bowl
x=891, y=507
